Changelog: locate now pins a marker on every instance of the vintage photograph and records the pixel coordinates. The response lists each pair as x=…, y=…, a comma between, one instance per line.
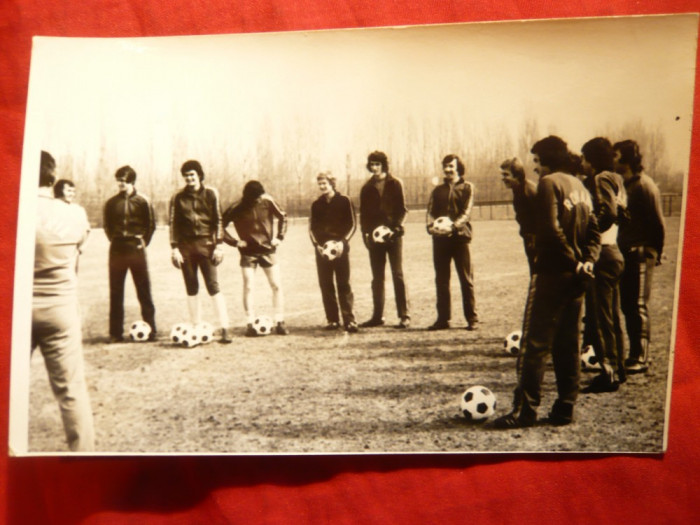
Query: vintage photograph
x=432, y=239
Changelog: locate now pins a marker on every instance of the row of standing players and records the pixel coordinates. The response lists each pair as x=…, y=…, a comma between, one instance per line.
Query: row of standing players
x=593, y=231
x=198, y=229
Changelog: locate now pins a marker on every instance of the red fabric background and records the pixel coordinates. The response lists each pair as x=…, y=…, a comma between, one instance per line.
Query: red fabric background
x=343, y=489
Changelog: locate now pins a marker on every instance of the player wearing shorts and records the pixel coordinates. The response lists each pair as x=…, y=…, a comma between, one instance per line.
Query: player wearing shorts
x=453, y=198
x=56, y=326
x=333, y=219
x=254, y=218
x=567, y=246
x=382, y=203
x=641, y=240
x=602, y=329
x=196, y=235
x=129, y=223
x=524, y=203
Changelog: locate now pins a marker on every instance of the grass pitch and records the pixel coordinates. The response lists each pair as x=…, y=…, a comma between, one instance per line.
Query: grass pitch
x=382, y=390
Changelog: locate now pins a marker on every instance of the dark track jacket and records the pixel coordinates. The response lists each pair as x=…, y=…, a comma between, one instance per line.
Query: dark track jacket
x=607, y=190
x=255, y=225
x=195, y=214
x=567, y=230
x=332, y=220
x=525, y=207
x=646, y=225
x=129, y=217
x=454, y=201
x=388, y=209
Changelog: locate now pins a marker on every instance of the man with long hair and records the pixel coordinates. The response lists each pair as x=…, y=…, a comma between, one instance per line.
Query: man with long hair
x=567, y=246
x=254, y=218
x=382, y=203
x=641, y=240
x=196, y=235
x=452, y=199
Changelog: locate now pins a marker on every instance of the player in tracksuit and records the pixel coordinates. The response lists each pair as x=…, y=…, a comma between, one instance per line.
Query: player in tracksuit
x=129, y=223
x=382, y=203
x=524, y=204
x=196, y=235
x=641, y=240
x=253, y=218
x=453, y=198
x=602, y=329
x=567, y=244
x=333, y=219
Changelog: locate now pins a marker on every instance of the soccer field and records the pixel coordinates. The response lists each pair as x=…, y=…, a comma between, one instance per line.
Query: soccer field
x=381, y=390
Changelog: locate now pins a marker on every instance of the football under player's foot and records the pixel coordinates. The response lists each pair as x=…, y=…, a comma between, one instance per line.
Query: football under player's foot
x=439, y=325
x=514, y=420
x=351, y=327
x=371, y=323
x=225, y=337
x=561, y=414
x=404, y=323
x=250, y=331
x=332, y=325
x=280, y=329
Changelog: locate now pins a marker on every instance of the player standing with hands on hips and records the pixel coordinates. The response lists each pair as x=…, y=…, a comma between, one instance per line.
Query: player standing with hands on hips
x=453, y=200
x=641, y=240
x=382, y=203
x=333, y=219
x=56, y=326
x=129, y=223
x=567, y=244
x=253, y=218
x=196, y=235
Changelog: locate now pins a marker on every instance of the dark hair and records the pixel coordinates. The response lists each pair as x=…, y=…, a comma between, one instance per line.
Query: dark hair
x=630, y=155
x=127, y=173
x=251, y=191
x=378, y=156
x=46, y=170
x=58, y=188
x=460, y=165
x=193, y=165
x=515, y=167
x=553, y=153
x=327, y=175
x=577, y=165
x=600, y=154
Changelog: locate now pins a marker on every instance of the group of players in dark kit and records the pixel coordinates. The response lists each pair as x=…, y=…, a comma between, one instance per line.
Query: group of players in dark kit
x=593, y=228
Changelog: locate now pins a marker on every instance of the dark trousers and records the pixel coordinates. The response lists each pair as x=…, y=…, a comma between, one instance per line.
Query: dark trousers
x=602, y=329
x=445, y=250
x=340, y=268
x=635, y=290
x=550, y=325
x=124, y=256
x=197, y=255
x=378, y=254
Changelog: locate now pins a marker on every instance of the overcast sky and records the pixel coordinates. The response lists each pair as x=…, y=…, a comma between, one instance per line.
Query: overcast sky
x=576, y=77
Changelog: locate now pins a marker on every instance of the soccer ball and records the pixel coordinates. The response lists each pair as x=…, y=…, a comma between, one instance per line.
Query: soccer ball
x=381, y=234
x=139, y=331
x=191, y=338
x=179, y=332
x=443, y=226
x=205, y=332
x=589, y=361
x=511, y=343
x=332, y=250
x=262, y=325
x=478, y=403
